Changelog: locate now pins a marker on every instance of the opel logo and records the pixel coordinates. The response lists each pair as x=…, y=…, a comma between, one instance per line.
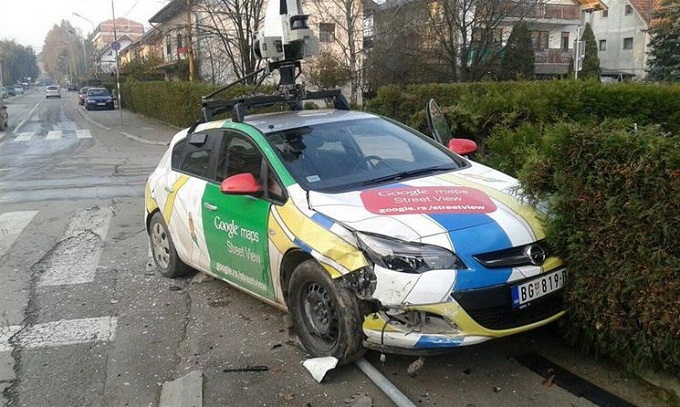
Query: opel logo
x=535, y=253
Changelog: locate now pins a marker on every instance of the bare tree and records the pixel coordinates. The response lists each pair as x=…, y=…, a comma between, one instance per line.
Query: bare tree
x=63, y=53
x=226, y=29
x=340, y=25
x=468, y=31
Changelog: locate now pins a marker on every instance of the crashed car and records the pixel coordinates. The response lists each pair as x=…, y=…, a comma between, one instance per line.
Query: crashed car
x=369, y=233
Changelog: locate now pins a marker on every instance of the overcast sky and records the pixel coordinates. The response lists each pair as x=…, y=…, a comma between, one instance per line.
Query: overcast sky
x=28, y=21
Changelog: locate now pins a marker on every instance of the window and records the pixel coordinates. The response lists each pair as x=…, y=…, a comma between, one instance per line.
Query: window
x=238, y=155
x=628, y=43
x=565, y=41
x=629, y=9
x=539, y=39
x=179, y=40
x=192, y=155
x=168, y=45
x=603, y=45
x=326, y=32
x=605, y=13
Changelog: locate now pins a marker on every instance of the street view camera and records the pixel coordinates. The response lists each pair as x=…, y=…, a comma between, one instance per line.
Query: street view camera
x=286, y=39
x=284, y=42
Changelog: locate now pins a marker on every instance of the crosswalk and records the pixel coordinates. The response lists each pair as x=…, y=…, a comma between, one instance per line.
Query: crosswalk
x=51, y=135
x=73, y=261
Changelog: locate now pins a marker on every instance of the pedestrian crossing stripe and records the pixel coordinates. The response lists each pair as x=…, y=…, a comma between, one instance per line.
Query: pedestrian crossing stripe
x=54, y=135
x=59, y=333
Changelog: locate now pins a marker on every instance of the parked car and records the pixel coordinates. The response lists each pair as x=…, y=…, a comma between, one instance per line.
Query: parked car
x=98, y=98
x=369, y=233
x=4, y=117
x=52, y=91
x=18, y=89
x=3, y=93
x=10, y=90
x=82, y=93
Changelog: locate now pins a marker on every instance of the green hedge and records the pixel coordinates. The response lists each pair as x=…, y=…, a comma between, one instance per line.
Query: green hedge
x=613, y=194
x=475, y=110
x=175, y=103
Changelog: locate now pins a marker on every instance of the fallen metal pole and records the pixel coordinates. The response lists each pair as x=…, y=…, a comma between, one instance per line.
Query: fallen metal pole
x=385, y=385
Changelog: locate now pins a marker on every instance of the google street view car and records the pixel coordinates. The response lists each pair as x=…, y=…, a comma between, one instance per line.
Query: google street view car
x=369, y=233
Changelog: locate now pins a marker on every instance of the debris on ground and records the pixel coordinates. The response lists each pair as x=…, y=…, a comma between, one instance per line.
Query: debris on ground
x=257, y=368
x=318, y=367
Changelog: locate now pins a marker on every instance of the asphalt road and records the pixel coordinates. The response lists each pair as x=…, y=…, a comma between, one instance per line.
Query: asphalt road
x=86, y=321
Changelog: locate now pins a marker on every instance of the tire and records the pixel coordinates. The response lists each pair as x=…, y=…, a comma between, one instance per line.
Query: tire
x=87, y=107
x=326, y=314
x=163, y=249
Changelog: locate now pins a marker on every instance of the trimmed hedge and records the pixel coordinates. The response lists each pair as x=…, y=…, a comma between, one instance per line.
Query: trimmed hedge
x=613, y=194
x=175, y=103
x=475, y=110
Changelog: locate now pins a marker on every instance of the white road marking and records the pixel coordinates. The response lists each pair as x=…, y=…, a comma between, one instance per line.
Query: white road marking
x=80, y=249
x=11, y=225
x=24, y=136
x=16, y=129
x=83, y=134
x=53, y=134
x=60, y=333
x=7, y=332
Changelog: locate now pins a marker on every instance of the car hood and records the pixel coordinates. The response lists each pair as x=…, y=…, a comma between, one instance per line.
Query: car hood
x=414, y=210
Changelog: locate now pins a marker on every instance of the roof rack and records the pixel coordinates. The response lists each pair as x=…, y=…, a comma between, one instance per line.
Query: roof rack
x=293, y=97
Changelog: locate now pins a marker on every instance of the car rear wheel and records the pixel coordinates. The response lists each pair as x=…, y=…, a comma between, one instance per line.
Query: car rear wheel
x=326, y=314
x=163, y=249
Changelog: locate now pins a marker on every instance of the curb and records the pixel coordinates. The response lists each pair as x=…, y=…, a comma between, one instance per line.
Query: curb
x=92, y=121
x=145, y=141
x=187, y=391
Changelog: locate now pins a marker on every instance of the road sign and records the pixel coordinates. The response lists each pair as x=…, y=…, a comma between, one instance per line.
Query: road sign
x=115, y=45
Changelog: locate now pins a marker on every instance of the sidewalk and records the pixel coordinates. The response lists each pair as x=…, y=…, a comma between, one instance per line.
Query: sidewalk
x=132, y=125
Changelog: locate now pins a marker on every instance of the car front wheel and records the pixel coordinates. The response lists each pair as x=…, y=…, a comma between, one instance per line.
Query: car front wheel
x=326, y=314
x=163, y=249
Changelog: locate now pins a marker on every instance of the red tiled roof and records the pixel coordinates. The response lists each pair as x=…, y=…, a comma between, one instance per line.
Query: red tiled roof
x=645, y=8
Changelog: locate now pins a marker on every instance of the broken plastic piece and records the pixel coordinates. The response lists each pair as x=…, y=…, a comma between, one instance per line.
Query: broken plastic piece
x=318, y=367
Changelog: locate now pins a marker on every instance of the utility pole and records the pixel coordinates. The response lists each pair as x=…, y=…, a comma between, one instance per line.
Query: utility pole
x=192, y=67
x=117, y=46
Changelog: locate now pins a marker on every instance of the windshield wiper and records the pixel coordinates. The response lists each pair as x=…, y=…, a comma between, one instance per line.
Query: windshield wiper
x=406, y=174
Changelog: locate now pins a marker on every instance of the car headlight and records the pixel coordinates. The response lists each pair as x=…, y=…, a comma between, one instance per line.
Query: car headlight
x=407, y=257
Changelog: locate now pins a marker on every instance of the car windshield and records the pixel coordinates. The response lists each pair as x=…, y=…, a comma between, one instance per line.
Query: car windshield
x=98, y=92
x=347, y=155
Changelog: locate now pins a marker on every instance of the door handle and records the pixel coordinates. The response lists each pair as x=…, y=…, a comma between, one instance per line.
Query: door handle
x=209, y=206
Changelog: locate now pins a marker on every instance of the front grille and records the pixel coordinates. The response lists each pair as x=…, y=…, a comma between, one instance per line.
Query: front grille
x=491, y=307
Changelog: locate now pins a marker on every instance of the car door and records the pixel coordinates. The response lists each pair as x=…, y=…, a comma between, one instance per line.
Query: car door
x=236, y=225
x=193, y=163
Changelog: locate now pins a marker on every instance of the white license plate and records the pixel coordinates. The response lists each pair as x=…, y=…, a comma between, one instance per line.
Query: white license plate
x=537, y=288
x=101, y=104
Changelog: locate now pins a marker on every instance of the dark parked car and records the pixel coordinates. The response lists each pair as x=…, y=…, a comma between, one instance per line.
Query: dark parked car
x=10, y=90
x=98, y=98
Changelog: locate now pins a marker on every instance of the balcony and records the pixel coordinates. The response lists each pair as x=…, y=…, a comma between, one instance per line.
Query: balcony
x=542, y=11
x=553, y=56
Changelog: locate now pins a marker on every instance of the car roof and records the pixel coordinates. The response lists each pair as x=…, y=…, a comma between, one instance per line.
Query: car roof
x=272, y=122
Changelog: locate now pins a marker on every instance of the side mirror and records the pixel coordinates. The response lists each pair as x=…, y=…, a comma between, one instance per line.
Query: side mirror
x=241, y=184
x=462, y=146
x=437, y=123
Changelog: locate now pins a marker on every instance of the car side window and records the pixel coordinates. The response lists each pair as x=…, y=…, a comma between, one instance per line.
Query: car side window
x=193, y=155
x=238, y=155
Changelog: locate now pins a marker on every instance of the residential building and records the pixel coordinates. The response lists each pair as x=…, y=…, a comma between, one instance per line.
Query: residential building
x=622, y=37
x=124, y=30
x=173, y=23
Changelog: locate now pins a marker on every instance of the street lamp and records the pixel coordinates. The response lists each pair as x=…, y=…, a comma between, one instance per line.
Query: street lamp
x=94, y=62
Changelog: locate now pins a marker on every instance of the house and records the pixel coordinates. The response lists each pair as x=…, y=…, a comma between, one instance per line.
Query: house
x=174, y=25
x=124, y=30
x=621, y=32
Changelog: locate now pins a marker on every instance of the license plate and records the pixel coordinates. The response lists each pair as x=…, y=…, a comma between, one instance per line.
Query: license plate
x=537, y=288
x=101, y=104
